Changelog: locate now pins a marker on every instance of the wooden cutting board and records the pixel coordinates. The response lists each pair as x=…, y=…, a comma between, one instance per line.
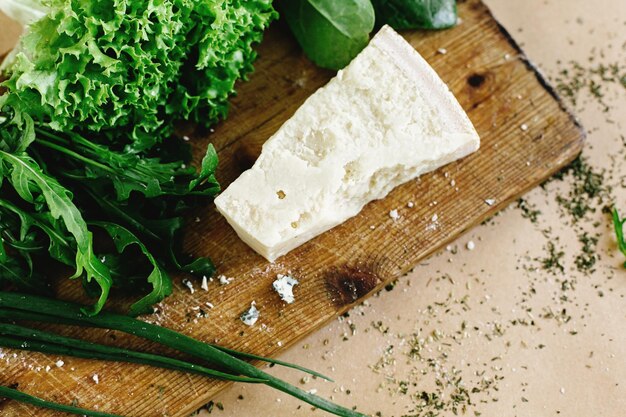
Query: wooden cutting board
x=526, y=136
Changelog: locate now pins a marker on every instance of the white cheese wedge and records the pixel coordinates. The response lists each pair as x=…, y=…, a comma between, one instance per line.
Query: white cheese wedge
x=384, y=120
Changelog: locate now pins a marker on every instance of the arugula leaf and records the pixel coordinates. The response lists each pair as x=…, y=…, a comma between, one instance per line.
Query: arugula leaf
x=158, y=278
x=330, y=32
x=130, y=171
x=60, y=244
x=39, y=189
x=618, y=225
x=416, y=14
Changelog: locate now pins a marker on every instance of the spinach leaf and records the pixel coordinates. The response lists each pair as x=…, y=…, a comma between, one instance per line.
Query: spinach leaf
x=415, y=14
x=330, y=32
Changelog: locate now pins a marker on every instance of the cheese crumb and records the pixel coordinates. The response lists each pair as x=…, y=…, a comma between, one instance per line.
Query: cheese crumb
x=490, y=201
x=410, y=204
x=205, y=283
x=189, y=285
x=471, y=245
x=224, y=280
x=284, y=287
x=96, y=378
x=524, y=127
x=394, y=215
x=250, y=317
x=60, y=363
x=442, y=51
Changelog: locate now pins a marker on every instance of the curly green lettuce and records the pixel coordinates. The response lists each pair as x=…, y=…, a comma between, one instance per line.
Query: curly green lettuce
x=133, y=67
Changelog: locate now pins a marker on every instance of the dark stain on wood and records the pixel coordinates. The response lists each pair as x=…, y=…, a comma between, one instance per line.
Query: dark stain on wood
x=476, y=80
x=348, y=284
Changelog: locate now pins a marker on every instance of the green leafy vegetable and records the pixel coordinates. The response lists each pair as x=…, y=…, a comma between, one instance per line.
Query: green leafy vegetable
x=330, y=32
x=134, y=66
x=416, y=14
x=35, y=187
x=27, y=307
x=618, y=224
x=158, y=278
x=24, y=11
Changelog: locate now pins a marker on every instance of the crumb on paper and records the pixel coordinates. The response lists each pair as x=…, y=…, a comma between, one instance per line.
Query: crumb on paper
x=394, y=215
x=251, y=316
x=470, y=245
x=283, y=285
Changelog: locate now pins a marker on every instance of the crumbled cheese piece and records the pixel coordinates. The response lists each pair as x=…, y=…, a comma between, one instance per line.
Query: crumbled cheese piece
x=490, y=201
x=189, y=285
x=471, y=245
x=410, y=204
x=60, y=363
x=96, y=378
x=524, y=127
x=394, y=215
x=442, y=51
x=250, y=317
x=205, y=283
x=224, y=280
x=284, y=287
x=435, y=218
x=384, y=120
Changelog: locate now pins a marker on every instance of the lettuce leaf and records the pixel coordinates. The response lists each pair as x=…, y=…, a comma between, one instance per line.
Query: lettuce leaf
x=131, y=68
x=23, y=11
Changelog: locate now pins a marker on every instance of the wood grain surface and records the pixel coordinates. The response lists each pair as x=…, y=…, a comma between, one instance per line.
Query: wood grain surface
x=526, y=136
